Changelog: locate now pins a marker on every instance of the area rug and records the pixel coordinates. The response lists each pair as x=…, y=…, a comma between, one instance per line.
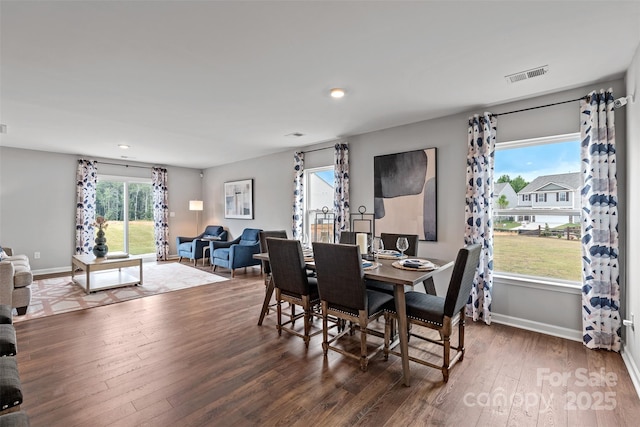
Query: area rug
x=60, y=295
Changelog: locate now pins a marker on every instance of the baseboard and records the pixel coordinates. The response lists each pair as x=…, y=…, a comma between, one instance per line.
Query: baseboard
x=55, y=270
x=634, y=373
x=543, y=328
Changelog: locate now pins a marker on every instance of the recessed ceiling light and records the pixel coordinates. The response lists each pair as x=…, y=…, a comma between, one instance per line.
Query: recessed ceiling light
x=337, y=92
x=124, y=146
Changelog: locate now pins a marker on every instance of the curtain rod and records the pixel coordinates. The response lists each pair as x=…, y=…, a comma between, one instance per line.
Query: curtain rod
x=122, y=164
x=541, y=106
x=317, y=149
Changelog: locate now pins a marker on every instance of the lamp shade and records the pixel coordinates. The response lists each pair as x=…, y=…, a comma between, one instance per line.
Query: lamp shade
x=195, y=205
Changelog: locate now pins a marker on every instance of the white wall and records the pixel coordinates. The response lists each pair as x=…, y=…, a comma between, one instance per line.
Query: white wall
x=547, y=308
x=632, y=291
x=38, y=198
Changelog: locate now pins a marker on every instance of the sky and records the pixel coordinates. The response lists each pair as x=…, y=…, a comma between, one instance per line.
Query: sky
x=531, y=162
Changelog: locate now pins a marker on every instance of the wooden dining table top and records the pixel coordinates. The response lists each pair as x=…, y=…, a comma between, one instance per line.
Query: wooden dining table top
x=386, y=272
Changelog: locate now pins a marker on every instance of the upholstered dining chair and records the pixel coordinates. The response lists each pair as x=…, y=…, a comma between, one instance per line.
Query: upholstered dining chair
x=292, y=285
x=343, y=294
x=193, y=247
x=264, y=234
x=438, y=313
x=236, y=253
x=348, y=237
x=389, y=242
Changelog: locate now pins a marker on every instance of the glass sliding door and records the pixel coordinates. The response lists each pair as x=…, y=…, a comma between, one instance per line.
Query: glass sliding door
x=127, y=205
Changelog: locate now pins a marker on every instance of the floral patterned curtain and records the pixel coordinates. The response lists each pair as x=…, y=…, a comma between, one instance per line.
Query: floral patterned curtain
x=478, y=210
x=86, y=183
x=297, y=228
x=160, y=212
x=341, y=190
x=600, y=269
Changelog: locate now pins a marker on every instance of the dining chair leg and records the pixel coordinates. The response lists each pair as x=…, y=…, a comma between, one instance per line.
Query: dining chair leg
x=279, y=312
x=363, y=340
x=387, y=334
x=307, y=314
x=461, y=336
x=325, y=327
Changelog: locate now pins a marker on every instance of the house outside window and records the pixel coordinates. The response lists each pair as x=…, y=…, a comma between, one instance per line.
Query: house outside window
x=542, y=239
x=319, y=196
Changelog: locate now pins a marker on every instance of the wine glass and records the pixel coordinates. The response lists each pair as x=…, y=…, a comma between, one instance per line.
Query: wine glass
x=402, y=244
x=378, y=247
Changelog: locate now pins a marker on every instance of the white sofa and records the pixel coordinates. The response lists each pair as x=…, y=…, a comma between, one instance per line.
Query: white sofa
x=15, y=281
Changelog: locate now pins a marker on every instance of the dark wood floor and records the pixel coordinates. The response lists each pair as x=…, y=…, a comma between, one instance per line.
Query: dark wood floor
x=196, y=357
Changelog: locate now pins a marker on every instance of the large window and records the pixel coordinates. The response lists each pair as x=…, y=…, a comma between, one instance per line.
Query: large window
x=319, y=196
x=540, y=237
x=127, y=205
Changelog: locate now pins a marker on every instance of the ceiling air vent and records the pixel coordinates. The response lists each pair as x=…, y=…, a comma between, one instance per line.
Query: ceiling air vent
x=529, y=74
x=295, y=135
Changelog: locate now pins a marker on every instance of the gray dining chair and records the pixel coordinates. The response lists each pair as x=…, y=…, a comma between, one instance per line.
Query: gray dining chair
x=438, y=313
x=292, y=285
x=343, y=295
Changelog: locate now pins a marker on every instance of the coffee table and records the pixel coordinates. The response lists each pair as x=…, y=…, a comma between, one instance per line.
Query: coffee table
x=105, y=273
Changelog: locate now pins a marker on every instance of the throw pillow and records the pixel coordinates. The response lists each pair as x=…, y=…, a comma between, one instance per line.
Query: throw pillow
x=3, y=254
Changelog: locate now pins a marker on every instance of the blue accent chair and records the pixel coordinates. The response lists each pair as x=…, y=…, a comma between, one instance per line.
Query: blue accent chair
x=193, y=247
x=238, y=252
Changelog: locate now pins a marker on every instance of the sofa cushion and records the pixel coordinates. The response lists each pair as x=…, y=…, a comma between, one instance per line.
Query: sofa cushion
x=14, y=419
x=22, y=277
x=222, y=253
x=6, y=314
x=8, y=345
x=10, y=390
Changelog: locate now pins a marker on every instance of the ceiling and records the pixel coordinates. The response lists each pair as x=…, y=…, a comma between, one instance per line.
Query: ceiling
x=199, y=84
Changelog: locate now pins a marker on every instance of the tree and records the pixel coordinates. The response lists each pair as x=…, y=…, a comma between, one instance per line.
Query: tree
x=503, y=202
x=504, y=178
x=518, y=183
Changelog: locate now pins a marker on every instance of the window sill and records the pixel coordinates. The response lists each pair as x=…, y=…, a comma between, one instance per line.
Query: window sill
x=538, y=283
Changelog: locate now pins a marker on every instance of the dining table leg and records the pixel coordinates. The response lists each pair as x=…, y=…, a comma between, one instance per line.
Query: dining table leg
x=267, y=299
x=401, y=309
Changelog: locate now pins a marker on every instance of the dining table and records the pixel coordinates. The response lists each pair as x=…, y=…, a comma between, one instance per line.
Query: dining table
x=383, y=271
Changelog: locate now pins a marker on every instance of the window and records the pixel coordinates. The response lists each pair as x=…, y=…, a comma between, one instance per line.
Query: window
x=127, y=205
x=544, y=240
x=319, y=195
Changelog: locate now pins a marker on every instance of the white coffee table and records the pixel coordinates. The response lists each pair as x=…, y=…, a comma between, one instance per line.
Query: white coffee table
x=105, y=273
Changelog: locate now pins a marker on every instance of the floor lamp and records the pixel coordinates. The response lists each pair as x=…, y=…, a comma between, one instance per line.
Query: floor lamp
x=196, y=205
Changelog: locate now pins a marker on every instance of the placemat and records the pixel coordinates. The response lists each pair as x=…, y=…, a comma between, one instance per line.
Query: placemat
x=428, y=267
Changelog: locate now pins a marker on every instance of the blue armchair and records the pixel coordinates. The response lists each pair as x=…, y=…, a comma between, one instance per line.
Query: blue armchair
x=238, y=252
x=194, y=247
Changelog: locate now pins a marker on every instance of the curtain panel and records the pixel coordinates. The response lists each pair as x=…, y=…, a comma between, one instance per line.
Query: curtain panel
x=478, y=210
x=601, y=287
x=297, y=228
x=341, y=190
x=86, y=183
x=160, y=212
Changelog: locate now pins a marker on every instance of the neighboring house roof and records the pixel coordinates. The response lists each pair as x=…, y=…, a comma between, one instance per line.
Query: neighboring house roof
x=569, y=181
x=498, y=187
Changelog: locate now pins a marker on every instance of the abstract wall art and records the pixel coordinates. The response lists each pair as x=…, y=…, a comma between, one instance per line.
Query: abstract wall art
x=238, y=199
x=405, y=199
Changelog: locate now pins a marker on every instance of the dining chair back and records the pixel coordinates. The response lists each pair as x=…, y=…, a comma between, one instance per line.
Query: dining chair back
x=264, y=234
x=348, y=237
x=440, y=313
x=292, y=284
x=343, y=295
x=389, y=241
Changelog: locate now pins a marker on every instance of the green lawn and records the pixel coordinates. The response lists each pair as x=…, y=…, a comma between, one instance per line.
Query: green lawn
x=141, y=237
x=537, y=256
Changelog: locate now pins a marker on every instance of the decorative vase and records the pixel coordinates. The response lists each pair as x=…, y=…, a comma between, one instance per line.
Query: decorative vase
x=100, y=249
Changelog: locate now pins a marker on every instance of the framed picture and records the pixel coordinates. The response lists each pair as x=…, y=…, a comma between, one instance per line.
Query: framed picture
x=238, y=199
x=405, y=199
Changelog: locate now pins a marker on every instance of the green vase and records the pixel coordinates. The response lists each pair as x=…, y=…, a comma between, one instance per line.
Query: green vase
x=100, y=249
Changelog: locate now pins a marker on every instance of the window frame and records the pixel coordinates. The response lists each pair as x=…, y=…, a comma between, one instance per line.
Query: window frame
x=126, y=180
x=537, y=282
x=307, y=212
